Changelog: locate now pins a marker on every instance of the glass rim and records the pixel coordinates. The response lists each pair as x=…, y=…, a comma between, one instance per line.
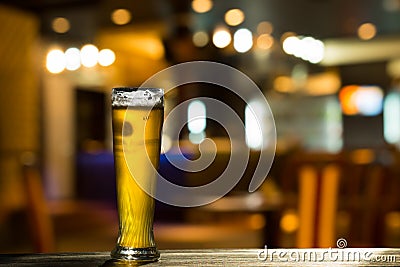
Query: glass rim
x=135, y=88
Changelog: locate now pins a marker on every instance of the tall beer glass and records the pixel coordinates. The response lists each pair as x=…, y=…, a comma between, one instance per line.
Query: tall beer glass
x=137, y=117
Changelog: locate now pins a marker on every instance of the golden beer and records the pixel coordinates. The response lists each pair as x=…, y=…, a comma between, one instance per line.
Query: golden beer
x=137, y=116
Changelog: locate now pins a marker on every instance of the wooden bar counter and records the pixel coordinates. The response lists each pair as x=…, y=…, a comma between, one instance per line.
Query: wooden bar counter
x=222, y=257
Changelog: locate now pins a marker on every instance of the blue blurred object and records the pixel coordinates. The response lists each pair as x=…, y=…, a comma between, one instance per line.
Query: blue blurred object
x=165, y=212
x=95, y=181
x=95, y=177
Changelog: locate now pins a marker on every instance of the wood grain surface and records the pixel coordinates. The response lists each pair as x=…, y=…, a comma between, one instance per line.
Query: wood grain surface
x=221, y=257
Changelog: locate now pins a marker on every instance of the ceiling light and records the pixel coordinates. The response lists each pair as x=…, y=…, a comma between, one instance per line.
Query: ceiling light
x=242, y=40
x=366, y=31
x=73, y=58
x=106, y=57
x=55, y=61
x=362, y=100
x=306, y=48
x=89, y=55
x=200, y=39
x=265, y=41
x=221, y=38
x=234, y=17
x=60, y=25
x=265, y=27
x=290, y=45
x=202, y=6
x=121, y=16
x=197, y=115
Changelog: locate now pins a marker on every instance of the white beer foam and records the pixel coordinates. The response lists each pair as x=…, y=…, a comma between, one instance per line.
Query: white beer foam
x=137, y=96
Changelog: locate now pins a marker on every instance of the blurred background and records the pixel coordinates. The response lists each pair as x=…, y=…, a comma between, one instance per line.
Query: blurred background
x=329, y=69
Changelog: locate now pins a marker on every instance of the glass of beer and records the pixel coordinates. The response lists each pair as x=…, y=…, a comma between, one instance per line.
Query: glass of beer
x=137, y=118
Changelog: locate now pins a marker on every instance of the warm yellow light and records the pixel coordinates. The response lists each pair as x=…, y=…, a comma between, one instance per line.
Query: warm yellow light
x=222, y=38
x=153, y=47
x=89, y=55
x=284, y=84
x=286, y=35
x=55, y=61
x=202, y=6
x=362, y=156
x=265, y=27
x=291, y=44
x=306, y=48
x=234, y=17
x=106, y=57
x=265, y=41
x=325, y=83
x=347, y=99
x=60, y=25
x=121, y=16
x=366, y=31
x=392, y=220
x=242, y=40
x=363, y=100
x=73, y=58
x=200, y=39
x=256, y=221
x=289, y=222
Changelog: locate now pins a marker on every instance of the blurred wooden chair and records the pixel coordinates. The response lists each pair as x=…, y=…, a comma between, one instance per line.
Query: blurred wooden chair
x=368, y=194
x=318, y=193
x=352, y=195
x=40, y=222
x=43, y=214
x=312, y=182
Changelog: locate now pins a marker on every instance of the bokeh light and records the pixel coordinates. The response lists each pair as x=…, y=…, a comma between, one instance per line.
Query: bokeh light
x=289, y=222
x=314, y=50
x=242, y=40
x=234, y=17
x=369, y=100
x=221, y=38
x=166, y=143
x=197, y=138
x=89, y=55
x=60, y=25
x=306, y=48
x=265, y=41
x=106, y=57
x=391, y=118
x=73, y=58
x=121, y=16
x=291, y=44
x=265, y=27
x=200, y=39
x=362, y=100
x=254, y=135
x=202, y=6
x=366, y=31
x=55, y=61
x=347, y=101
x=196, y=116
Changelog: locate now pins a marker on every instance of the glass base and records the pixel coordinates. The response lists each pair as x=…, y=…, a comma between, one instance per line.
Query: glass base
x=135, y=254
